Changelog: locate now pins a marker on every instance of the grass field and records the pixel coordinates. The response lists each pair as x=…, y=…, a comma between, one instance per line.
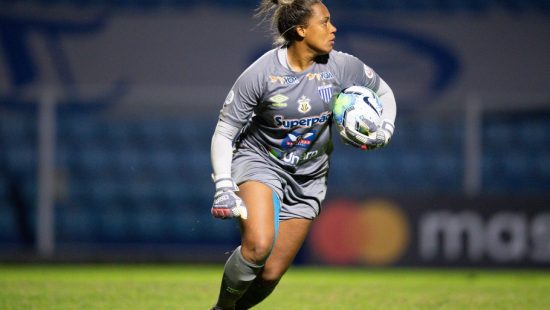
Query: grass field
x=195, y=287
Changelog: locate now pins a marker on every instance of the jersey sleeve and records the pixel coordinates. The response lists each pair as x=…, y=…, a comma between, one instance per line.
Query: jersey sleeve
x=243, y=97
x=355, y=72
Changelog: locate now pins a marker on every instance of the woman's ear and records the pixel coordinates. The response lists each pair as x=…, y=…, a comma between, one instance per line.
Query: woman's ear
x=301, y=30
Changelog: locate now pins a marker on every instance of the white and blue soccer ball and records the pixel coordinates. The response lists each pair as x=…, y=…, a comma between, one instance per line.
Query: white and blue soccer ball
x=358, y=108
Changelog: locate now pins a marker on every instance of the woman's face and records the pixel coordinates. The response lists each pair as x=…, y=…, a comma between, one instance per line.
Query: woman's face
x=319, y=34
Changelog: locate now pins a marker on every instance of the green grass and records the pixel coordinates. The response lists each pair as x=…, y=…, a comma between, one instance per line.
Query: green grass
x=195, y=287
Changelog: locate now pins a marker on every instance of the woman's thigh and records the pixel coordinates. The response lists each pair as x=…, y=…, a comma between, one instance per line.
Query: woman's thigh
x=258, y=230
x=291, y=236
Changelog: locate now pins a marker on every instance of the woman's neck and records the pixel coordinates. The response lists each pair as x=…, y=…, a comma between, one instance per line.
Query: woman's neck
x=299, y=58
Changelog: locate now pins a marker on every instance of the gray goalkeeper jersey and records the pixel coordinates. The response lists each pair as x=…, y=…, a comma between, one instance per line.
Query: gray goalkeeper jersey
x=285, y=115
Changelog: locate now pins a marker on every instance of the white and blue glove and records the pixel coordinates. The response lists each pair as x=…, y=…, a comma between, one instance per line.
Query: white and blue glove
x=226, y=203
x=374, y=140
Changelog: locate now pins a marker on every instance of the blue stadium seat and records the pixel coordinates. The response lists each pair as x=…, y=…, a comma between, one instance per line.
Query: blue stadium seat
x=78, y=131
x=447, y=171
x=146, y=222
x=541, y=166
x=114, y=223
x=76, y=223
x=161, y=163
x=8, y=232
x=125, y=176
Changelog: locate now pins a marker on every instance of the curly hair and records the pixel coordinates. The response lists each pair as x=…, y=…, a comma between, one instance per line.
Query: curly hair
x=285, y=16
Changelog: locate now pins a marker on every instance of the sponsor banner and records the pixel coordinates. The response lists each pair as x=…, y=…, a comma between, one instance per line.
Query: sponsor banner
x=428, y=231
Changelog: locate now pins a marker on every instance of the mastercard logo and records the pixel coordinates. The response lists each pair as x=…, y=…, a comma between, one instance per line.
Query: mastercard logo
x=373, y=232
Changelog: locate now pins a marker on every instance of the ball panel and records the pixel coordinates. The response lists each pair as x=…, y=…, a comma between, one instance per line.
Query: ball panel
x=358, y=108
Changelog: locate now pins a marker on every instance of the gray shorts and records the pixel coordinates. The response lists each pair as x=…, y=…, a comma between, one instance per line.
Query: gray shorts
x=300, y=196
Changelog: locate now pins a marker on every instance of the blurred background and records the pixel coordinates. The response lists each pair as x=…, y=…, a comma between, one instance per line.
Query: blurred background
x=107, y=109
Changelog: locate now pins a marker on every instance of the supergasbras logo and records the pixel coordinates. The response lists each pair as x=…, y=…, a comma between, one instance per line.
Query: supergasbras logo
x=281, y=122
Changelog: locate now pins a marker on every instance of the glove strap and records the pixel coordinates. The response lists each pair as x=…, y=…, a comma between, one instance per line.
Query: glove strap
x=225, y=184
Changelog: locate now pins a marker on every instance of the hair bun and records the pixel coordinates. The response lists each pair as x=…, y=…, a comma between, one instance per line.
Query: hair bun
x=283, y=2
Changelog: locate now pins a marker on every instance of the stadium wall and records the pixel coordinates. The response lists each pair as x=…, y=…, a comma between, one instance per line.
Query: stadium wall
x=188, y=59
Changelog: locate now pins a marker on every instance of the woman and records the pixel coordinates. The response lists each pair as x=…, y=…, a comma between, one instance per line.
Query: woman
x=273, y=140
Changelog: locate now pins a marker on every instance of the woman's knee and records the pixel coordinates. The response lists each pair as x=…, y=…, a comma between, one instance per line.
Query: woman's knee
x=258, y=250
x=271, y=275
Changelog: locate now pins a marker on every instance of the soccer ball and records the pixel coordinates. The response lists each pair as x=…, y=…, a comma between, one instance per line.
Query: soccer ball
x=358, y=108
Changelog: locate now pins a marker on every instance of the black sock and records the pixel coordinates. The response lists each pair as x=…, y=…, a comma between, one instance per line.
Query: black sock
x=256, y=293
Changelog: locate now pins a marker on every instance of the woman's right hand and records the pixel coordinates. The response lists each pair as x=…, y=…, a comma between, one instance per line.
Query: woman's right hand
x=226, y=203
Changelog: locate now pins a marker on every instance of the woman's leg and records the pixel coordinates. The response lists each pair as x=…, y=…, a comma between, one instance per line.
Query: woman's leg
x=292, y=234
x=257, y=233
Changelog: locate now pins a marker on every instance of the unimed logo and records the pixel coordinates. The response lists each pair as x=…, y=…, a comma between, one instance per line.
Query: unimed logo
x=503, y=237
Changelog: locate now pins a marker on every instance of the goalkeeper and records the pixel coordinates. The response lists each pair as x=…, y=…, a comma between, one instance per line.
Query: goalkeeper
x=271, y=147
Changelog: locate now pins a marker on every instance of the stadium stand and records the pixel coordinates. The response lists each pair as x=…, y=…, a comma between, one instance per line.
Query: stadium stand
x=148, y=180
x=118, y=179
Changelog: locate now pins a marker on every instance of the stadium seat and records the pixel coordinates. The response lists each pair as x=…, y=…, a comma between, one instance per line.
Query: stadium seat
x=8, y=232
x=126, y=175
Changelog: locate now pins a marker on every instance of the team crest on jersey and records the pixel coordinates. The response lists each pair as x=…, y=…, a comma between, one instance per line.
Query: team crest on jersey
x=325, y=92
x=278, y=101
x=303, y=104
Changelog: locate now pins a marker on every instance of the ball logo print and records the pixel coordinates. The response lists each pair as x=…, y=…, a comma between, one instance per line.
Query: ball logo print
x=375, y=233
x=357, y=108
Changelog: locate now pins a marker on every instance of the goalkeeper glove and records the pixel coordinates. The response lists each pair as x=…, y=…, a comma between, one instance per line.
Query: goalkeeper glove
x=226, y=203
x=374, y=140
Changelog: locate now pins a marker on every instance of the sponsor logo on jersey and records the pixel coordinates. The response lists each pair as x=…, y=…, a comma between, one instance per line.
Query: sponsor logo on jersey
x=284, y=80
x=278, y=101
x=295, y=159
x=301, y=140
x=303, y=104
x=325, y=92
x=281, y=122
x=322, y=76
